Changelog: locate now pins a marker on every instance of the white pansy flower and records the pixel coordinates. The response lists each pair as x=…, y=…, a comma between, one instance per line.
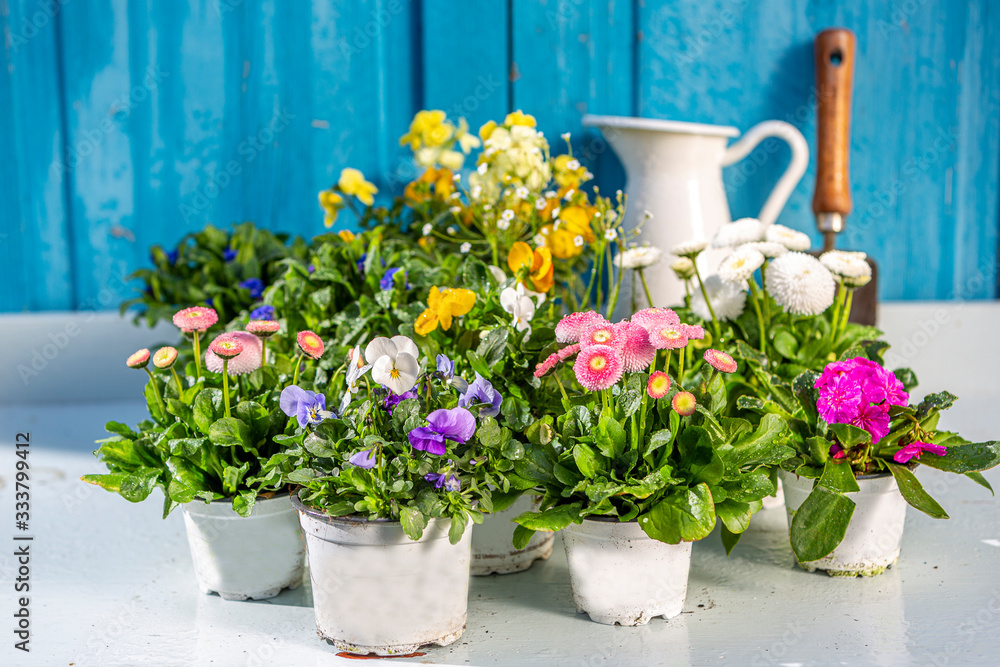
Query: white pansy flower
x=769, y=249
x=728, y=299
x=689, y=248
x=638, y=258
x=799, y=283
x=850, y=267
x=738, y=232
x=740, y=265
x=791, y=239
x=428, y=228
x=356, y=368
x=465, y=247
x=394, y=362
x=683, y=268
x=498, y=274
x=519, y=305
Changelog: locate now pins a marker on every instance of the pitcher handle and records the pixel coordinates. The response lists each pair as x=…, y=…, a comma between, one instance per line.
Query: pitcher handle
x=793, y=173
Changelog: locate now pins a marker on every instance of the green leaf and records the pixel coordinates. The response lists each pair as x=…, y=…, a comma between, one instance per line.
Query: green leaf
x=685, y=516
x=457, y=527
x=413, y=522
x=907, y=377
x=786, y=344
x=820, y=524
x=610, y=436
x=540, y=432
x=913, y=491
x=208, y=408
x=940, y=401
x=587, y=460
x=243, y=502
x=628, y=402
x=650, y=484
x=122, y=430
x=838, y=476
x=758, y=447
x=661, y=438
x=512, y=449
x=750, y=486
x=229, y=432
x=521, y=537
x=552, y=519
x=980, y=480
x=850, y=436
x=729, y=539
x=965, y=458
x=257, y=419
x=735, y=515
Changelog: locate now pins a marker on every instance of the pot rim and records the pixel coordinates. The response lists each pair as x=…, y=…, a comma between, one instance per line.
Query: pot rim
x=229, y=499
x=866, y=476
x=353, y=519
x=605, y=518
x=659, y=125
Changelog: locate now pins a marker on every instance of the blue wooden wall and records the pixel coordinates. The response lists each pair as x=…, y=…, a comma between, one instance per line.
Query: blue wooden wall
x=131, y=122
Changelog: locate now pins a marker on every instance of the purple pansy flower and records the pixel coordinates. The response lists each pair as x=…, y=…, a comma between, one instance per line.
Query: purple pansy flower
x=361, y=262
x=364, y=459
x=312, y=268
x=262, y=313
x=392, y=400
x=915, y=449
x=449, y=482
x=307, y=406
x=446, y=370
x=172, y=257
x=456, y=424
x=481, y=391
x=255, y=285
x=228, y=254
x=388, y=277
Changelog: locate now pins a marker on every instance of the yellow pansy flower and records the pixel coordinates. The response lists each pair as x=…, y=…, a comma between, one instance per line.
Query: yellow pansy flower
x=536, y=263
x=487, y=129
x=520, y=118
x=442, y=306
x=346, y=234
x=576, y=220
x=427, y=129
x=436, y=183
x=567, y=171
x=331, y=203
x=352, y=182
x=563, y=243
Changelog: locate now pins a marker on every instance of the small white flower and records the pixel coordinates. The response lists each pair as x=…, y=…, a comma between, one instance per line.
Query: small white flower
x=769, y=249
x=465, y=247
x=394, y=362
x=535, y=150
x=648, y=215
x=455, y=210
x=455, y=195
x=849, y=267
x=555, y=212
x=612, y=216
x=456, y=177
x=799, y=283
x=517, y=303
x=597, y=214
x=569, y=194
x=545, y=231
x=728, y=299
x=503, y=224
x=683, y=268
x=587, y=175
x=610, y=234
x=476, y=191
x=453, y=230
x=689, y=248
x=508, y=214
x=539, y=240
x=540, y=204
x=573, y=165
x=549, y=194
x=521, y=192
x=557, y=224
x=618, y=192
x=789, y=238
x=744, y=230
x=482, y=169
x=565, y=136
x=428, y=228
x=490, y=150
x=487, y=207
x=740, y=265
x=578, y=241
x=638, y=258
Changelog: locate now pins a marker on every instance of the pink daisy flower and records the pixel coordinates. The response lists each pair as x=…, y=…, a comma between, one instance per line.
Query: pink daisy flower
x=138, y=359
x=667, y=337
x=684, y=403
x=915, y=449
x=568, y=351
x=693, y=331
x=547, y=365
x=311, y=344
x=658, y=385
x=605, y=333
x=165, y=357
x=653, y=318
x=196, y=318
x=637, y=352
x=263, y=328
x=572, y=327
x=247, y=360
x=598, y=367
x=226, y=345
x=720, y=361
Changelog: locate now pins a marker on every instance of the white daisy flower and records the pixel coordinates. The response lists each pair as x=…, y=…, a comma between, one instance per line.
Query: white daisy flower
x=848, y=267
x=503, y=224
x=638, y=258
x=487, y=207
x=728, y=299
x=573, y=165
x=683, y=268
x=740, y=265
x=539, y=240
x=428, y=228
x=508, y=214
x=455, y=210
x=610, y=234
x=800, y=283
x=521, y=192
x=540, y=204
x=453, y=230
x=689, y=248
x=738, y=232
x=769, y=249
x=465, y=247
x=578, y=241
x=791, y=239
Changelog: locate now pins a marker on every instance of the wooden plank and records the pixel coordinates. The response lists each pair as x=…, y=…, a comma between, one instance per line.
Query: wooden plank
x=34, y=245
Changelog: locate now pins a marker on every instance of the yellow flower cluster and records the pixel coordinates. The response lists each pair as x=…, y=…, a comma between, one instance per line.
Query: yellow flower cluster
x=442, y=306
x=433, y=140
x=514, y=153
x=351, y=183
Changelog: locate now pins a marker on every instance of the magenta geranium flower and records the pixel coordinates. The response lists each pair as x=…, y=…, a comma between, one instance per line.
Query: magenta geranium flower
x=598, y=367
x=572, y=327
x=874, y=419
x=839, y=400
x=859, y=392
x=456, y=424
x=196, y=318
x=915, y=449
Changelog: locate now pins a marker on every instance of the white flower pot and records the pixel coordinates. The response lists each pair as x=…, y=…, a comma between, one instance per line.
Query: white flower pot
x=241, y=558
x=492, y=549
x=871, y=543
x=777, y=501
x=620, y=575
x=377, y=591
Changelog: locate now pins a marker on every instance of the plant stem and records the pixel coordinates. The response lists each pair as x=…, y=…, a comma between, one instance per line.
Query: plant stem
x=711, y=311
x=666, y=363
x=225, y=383
x=177, y=379
x=263, y=351
x=562, y=389
x=838, y=306
x=642, y=277
x=755, y=297
x=599, y=258
x=197, y=354
x=297, y=361
x=680, y=364
x=847, y=313
x=156, y=393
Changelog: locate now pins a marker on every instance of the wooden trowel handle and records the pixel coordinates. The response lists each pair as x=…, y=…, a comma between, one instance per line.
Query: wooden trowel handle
x=834, y=50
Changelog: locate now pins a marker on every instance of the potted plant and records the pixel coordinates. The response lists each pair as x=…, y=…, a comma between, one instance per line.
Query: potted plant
x=857, y=441
x=208, y=444
x=639, y=465
x=390, y=483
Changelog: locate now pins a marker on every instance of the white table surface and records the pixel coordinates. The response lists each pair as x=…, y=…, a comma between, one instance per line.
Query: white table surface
x=113, y=584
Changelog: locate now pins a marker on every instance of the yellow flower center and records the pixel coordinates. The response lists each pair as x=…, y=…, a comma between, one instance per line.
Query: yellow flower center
x=598, y=363
x=672, y=334
x=394, y=373
x=602, y=336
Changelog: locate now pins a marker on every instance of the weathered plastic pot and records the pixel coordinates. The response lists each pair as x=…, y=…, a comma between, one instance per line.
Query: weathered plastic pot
x=493, y=551
x=777, y=501
x=871, y=543
x=620, y=575
x=241, y=558
x=377, y=591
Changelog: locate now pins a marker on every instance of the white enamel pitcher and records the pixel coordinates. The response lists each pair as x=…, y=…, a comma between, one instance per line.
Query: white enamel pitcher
x=674, y=171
